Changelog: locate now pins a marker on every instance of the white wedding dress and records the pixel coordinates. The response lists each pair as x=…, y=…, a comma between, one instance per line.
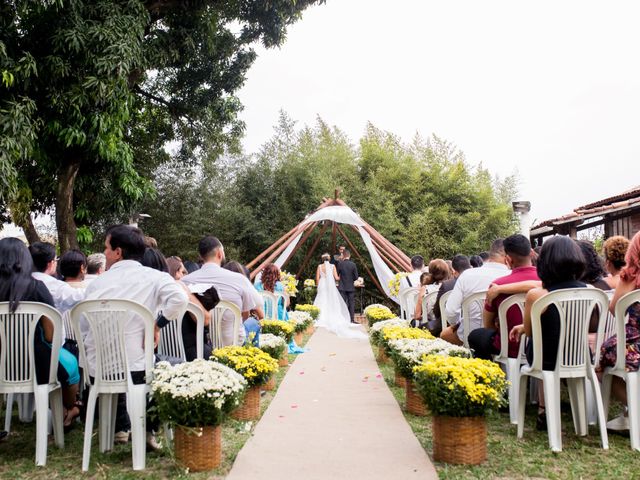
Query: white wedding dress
x=334, y=315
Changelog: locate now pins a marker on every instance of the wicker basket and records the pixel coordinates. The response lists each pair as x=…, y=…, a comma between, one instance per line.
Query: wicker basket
x=461, y=440
x=399, y=380
x=250, y=407
x=199, y=449
x=270, y=385
x=283, y=361
x=382, y=355
x=298, y=338
x=414, y=403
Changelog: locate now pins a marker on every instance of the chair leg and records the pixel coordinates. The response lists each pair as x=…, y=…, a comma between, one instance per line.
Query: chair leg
x=57, y=414
x=137, y=408
x=104, y=424
x=513, y=372
x=602, y=419
x=606, y=393
x=632, y=405
x=522, y=401
x=9, y=412
x=41, y=400
x=25, y=407
x=88, y=429
x=551, y=385
x=114, y=414
x=578, y=405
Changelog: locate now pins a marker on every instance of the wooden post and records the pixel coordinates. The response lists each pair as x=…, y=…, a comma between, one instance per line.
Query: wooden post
x=405, y=262
x=278, y=251
x=272, y=246
x=382, y=249
x=312, y=249
x=355, y=250
x=333, y=238
x=304, y=238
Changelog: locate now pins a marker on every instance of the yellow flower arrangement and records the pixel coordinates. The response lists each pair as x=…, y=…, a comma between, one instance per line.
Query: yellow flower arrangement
x=252, y=363
x=394, y=283
x=396, y=332
x=278, y=327
x=312, y=309
x=376, y=314
x=290, y=283
x=460, y=387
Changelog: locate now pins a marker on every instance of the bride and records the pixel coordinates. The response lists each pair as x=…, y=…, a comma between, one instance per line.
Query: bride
x=334, y=315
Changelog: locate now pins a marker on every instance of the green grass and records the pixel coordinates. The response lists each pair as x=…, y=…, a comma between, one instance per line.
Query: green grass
x=510, y=458
x=17, y=452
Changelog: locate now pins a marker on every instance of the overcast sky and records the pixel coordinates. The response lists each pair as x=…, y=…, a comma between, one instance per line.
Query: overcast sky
x=550, y=88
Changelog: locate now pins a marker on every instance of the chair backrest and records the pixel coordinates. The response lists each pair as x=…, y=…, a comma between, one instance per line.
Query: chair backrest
x=67, y=329
x=17, y=330
x=215, y=328
x=575, y=306
x=106, y=321
x=443, y=303
x=471, y=305
x=515, y=301
x=410, y=300
x=281, y=299
x=428, y=302
x=622, y=305
x=171, y=342
x=605, y=330
x=270, y=305
x=403, y=297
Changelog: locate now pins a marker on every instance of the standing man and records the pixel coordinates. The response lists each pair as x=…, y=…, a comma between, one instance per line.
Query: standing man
x=348, y=273
x=338, y=257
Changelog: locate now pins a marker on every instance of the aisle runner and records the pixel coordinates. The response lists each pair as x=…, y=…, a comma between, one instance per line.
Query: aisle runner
x=333, y=418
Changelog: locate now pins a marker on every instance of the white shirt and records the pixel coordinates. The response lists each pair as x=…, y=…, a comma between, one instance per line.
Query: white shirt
x=129, y=280
x=232, y=287
x=414, y=277
x=471, y=281
x=64, y=295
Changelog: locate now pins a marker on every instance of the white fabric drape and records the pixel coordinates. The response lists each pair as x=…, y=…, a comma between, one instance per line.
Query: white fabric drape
x=340, y=214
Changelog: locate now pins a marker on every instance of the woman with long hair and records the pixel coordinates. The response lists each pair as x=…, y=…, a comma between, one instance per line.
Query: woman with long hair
x=270, y=282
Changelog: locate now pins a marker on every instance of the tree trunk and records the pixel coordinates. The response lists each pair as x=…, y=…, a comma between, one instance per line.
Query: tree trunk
x=65, y=223
x=30, y=231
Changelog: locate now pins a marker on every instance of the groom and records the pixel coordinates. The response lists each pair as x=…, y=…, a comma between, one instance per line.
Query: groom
x=348, y=273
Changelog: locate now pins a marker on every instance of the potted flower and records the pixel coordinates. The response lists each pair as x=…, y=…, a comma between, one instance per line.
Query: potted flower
x=394, y=332
x=407, y=353
x=290, y=283
x=376, y=330
x=308, y=292
x=282, y=329
x=194, y=397
x=312, y=309
x=377, y=313
x=301, y=321
x=275, y=346
x=459, y=392
x=256, y=367
x=394, y=283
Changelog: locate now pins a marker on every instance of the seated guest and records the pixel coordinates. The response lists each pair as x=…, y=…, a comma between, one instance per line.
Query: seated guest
x=45, y=263
x=459, y=264
x=73, y=266
x=594, y=270
x=485, y=341
x=18, y=285
x=560, y=265
x=472, y=281
x=252, y=322
x=429, y=283
x=629, y=281
x=190, y=266
x=176, y=267
x=476, y=261
x=413, y=279
x=231, y=286
x=270, y=282
x=127, y=279
x=615, y=249
x=96, y=263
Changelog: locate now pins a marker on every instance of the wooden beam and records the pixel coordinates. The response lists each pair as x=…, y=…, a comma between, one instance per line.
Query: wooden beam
x=364, y=264
x=312, y=249
x=304, y=238
x=278, y=251
x=333, y=238
x=405, y=261
x=388, y=262
x=271, y=247
x=390, y=254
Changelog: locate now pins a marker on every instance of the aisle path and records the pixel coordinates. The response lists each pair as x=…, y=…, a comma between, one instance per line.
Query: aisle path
x=333, y=417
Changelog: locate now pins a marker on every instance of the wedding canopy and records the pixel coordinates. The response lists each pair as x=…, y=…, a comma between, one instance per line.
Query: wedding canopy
x=333, y=213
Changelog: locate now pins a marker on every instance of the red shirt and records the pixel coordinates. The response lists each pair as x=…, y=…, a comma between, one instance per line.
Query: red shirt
x=514, y=315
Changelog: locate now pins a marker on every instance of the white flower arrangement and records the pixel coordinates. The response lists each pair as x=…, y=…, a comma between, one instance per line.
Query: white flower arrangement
x=376, y=329
x=196, y=393
x=407, y=353
x=301, y=320
x=274, y=345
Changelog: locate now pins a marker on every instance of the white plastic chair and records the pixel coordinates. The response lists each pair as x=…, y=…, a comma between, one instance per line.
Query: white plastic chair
x=171, y=342
x=443, y=303
x=270, y=304
x=281, y=297
x=474, y=300
x=511, y=365
x=17, y=368
x=106, y=320
x=404, y=297
x=215, y=327
x=428, y=302
x=573, y=362
x=630, y=378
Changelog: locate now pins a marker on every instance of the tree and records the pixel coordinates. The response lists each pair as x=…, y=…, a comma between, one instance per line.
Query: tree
x=94, y=90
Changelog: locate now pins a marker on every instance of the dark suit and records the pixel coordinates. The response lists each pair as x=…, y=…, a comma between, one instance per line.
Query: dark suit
x=348, y=273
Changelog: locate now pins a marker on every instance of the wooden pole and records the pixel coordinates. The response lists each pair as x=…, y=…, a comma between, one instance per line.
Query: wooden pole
x=388, y=262
x=272, y=246
x=278, y=251
x=392, y=256
x=355, y=250
x=312, y=249
x=405, y=262
x=333, y=238
x=304, y=238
